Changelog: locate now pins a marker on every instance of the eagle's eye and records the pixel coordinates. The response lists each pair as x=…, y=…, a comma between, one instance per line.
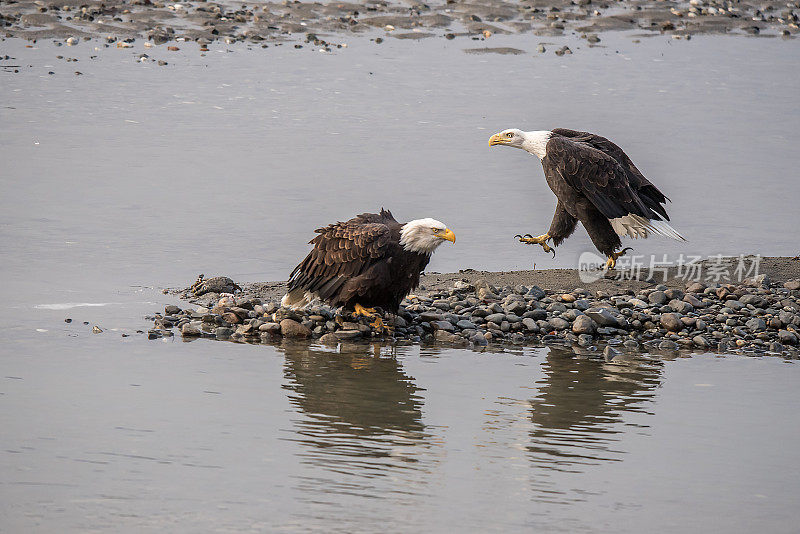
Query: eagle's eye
x=435, y=230
x=509, y=134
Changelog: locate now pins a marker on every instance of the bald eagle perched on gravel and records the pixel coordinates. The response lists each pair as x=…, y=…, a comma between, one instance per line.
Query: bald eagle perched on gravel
x=370, y=260
x=597, y=184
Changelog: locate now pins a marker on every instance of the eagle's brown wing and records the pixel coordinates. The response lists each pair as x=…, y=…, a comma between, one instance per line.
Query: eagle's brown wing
x=598, y=176
x=343, y=251
x=650, y=195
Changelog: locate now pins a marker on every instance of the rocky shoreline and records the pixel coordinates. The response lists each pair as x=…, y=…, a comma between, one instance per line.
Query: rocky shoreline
x=326, y=26
x=470, y=309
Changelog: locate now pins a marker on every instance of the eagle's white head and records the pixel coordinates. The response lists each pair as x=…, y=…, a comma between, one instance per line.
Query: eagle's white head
x=532, y=142
x=424, y=235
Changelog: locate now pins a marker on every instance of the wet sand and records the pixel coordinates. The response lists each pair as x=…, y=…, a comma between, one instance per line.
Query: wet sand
x=328, y=25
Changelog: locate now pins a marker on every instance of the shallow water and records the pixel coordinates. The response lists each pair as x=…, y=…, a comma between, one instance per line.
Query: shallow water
x=133, y=176
x=217, y=436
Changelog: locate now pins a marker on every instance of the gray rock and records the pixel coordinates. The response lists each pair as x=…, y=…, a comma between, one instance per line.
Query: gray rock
x=776, y=347
x=582, y=304
x=447, y=337
x=535, y=292
x=189, y=330
x=516, y=307
x=695, y=287
x=610, y=352
x=479, y=340
x=347, y=334
x=530, y=325
x=556, y=307
x=171, y=309
x=694, y=301
x=668, y=345
x=672, y=322
x=657, y=297
x=293, y=329
x=674, y=294
x=786, y=337
x=786, y=317
x=602, y=317
x=631, y=344
x=441, y=304
x=792, y=284
x=637, y=303
x=463, y=324
x=756, y=324
x=558, y=323
x=461, y=285
x=223, y=332
x=734, y=305
x=584, y=325
x=447, y=326
x=701, y=342
x=680, y=306
x=496, y=318
x=329, y=339
x=755, y=300
x=272, y=328
x=430, y=316
x=584, y=340
x=537, y=314
x=606, y=330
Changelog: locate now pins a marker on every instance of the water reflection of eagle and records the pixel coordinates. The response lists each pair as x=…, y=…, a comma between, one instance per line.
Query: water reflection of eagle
x=353, y=392
x=580, y=401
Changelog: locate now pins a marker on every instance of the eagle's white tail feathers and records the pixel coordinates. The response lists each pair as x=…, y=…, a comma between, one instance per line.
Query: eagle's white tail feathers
x=297, y=298
x=636, y=226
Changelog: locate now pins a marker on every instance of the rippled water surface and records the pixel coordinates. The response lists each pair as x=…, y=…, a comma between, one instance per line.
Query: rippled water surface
x=132, y=177
x=217, y=436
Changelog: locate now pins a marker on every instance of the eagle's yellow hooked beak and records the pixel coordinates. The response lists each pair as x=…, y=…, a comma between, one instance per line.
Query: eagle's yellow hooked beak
x=498, y=139
x=448, y=235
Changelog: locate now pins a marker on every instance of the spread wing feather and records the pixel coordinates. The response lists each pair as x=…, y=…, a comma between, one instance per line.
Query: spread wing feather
x=343, y=251
x=615, y=187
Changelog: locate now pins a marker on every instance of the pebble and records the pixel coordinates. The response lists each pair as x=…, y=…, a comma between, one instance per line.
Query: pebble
x=672, y=322
x=756, y=324
x=602, y=317
x=293, y=329
x=584, y=324
x=190, y=330
x=748, y=316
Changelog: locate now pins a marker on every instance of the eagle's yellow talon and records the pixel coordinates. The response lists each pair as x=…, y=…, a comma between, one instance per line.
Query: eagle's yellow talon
x=361, y=310
x=528, y=239
x=612, y=260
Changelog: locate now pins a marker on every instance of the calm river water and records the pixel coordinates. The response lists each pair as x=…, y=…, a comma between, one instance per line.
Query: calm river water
x=133, y=177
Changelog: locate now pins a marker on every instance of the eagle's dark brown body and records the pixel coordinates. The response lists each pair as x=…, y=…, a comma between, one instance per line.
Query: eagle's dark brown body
x=595, y=181
x=360, y=261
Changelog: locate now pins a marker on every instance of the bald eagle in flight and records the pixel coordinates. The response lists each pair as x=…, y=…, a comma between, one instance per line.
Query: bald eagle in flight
x=597, y=184
x=371, y=260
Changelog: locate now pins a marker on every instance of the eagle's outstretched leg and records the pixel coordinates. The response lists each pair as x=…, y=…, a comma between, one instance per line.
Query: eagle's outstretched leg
x=369, y=312
x=561, y=228
x=539, y=240
x=612, y=259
